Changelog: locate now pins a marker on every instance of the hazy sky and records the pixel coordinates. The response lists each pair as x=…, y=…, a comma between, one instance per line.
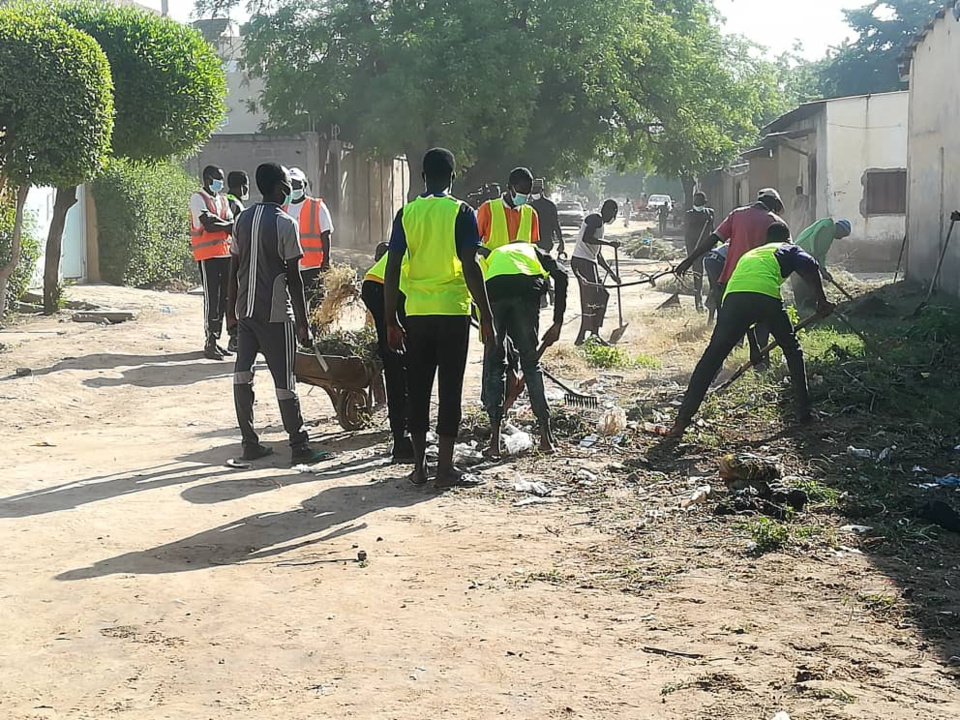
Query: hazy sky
x=777, y=24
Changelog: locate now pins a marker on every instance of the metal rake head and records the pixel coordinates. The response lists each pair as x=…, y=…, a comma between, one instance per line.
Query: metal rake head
x=584, y=401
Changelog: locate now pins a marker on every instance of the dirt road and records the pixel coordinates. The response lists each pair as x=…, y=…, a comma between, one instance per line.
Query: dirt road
x=141, y=578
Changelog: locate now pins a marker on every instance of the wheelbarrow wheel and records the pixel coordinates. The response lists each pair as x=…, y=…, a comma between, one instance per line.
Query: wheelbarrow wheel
x=353, y=410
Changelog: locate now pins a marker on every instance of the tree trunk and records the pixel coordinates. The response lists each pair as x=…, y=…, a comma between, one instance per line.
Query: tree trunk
x=11, y=267
x=66, y=199
x=689, y=185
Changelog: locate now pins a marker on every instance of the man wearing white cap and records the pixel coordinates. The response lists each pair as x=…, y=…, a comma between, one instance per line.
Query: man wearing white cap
x=817, y=241
x=316, y=227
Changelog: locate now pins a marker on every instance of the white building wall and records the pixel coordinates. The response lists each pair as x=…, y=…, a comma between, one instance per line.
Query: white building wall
x=862, y=133
x=934, y=164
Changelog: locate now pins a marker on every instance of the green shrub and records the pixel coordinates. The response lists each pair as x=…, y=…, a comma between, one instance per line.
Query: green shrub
x=29, y=248
x=143, y=221
x=603, y=356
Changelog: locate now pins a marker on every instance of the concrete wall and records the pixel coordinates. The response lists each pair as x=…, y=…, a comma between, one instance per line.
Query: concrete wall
x=862, y=134
x=241, y=89
x=934, y=155
x=363, y=193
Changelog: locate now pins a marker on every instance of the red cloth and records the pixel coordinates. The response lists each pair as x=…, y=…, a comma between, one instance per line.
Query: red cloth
x=745, y=228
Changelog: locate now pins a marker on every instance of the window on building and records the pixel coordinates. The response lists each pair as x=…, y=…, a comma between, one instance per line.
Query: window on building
x=885, y=192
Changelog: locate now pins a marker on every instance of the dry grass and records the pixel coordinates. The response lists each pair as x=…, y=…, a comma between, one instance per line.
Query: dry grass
x=341, y=291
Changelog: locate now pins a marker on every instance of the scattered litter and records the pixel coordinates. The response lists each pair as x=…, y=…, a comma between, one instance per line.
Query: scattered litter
x=586, y=476
x=362, y=556
x=781, y=716
x=466, y=455
x=612, y=421
x=671, y=653
x=956, y=448
x=432, y=438
x=773, y=500
x=589, y=441
x=858, y=529
x=950, y=480
x=700, y=495
x=920, y=470
x=740, y=470
x=751, y=546
x=23, y=372
x=534, y=488
x=167, y=310
x=237, y=464
x=886, y=453
x=518, y=443
x=535, y=501
x=861, y=453
x=841, y=549
x=104, y=317
x=43, y=443
x=940, y=513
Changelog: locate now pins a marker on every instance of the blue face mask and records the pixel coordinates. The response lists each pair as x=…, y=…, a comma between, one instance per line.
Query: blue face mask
x=519, y=199
x=298, y=194
x=287, y=198
x=217, y=186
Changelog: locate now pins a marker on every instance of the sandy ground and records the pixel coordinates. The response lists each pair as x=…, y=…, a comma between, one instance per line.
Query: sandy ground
x=141, y=578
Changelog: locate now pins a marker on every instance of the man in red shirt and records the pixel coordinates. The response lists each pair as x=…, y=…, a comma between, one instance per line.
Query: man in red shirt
x=745, y=229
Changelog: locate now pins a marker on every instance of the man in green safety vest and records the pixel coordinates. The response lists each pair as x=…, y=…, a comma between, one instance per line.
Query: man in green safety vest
x=517, y=275
x=817, y=240
x=752, y=295
x=437, y=235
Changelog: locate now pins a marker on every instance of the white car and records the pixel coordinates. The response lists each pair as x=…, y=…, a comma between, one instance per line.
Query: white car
x=655, y=202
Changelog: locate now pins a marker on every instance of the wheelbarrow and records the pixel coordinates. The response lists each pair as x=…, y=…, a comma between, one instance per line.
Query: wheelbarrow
x=354, y=384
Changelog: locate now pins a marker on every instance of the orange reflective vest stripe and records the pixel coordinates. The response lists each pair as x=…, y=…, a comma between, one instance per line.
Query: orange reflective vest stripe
x=207, y=245
x=311, y=235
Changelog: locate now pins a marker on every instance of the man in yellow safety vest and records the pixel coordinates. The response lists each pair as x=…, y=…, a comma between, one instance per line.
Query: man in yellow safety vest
x=437, y=236
x=516, y=277
x=211, y=225
x=510, y=217
x=316, y=227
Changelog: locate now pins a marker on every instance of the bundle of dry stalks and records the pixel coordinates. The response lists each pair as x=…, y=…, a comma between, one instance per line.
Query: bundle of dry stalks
x=340, y=290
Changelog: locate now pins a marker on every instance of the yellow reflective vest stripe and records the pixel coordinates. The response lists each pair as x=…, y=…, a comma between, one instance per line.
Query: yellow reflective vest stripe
x=758, y=271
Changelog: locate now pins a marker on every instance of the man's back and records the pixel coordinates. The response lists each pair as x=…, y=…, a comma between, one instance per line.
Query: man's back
x=698, y=224
x=266, y=241
x=745, y=228
x=549, y=219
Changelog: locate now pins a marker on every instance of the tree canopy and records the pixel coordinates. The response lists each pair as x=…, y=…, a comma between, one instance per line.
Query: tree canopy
x=555, y=84
x=56, y=110
x=169, y=83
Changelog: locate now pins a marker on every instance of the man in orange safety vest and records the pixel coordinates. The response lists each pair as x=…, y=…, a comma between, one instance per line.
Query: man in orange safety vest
x=211, y=227
x=316, y=227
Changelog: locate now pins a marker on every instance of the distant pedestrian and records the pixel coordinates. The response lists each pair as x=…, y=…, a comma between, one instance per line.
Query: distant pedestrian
x=663, y=217
x=266, y=293
x=211, y=225
x=698, y=224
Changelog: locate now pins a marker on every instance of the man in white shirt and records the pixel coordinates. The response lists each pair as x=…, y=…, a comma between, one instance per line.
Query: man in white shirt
x=316, y=226
x=584, y=263
x=211, y=226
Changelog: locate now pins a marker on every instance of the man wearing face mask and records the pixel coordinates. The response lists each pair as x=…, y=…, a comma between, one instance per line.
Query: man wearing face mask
x=316, y=227
x=211, y=225
x=510, y=217
x=698, y=224
x=238, y=191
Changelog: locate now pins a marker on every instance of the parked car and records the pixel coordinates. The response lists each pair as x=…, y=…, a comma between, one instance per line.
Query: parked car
x=655, y=202
x=570, y=213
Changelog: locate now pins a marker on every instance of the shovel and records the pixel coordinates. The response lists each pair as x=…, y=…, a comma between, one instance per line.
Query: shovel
x=617, y=334
x=936, y=275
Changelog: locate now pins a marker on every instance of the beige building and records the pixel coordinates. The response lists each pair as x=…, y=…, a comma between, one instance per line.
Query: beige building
x=934, y=149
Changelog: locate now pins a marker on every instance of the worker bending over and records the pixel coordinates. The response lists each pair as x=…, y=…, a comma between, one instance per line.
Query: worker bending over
x=211, y=224
x=752, y=296
x=266, y=293
x=316, y=226
x=394, y=367
x=817, y=241
x=585, y=263
x=438, y=236
x=516, y=277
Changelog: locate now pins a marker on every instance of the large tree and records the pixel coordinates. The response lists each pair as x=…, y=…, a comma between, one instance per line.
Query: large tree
x=169, y=97
x=56, y=110
x=869, y=64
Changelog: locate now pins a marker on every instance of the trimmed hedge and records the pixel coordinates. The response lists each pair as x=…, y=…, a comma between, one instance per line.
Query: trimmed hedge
x=29, y=247
x=143, y=223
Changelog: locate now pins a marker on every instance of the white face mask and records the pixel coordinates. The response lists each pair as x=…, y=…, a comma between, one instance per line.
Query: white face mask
x=699, y=208
x=536, y=196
